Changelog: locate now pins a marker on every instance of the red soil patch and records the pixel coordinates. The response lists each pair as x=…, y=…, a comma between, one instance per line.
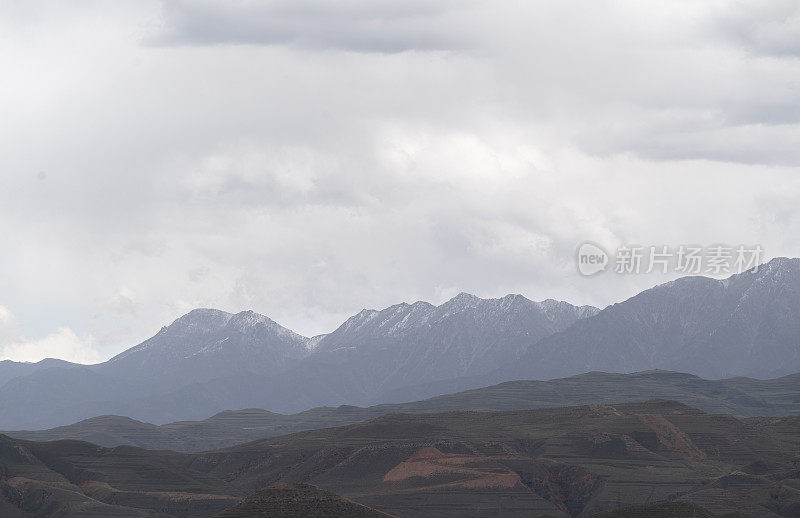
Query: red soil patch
x=671, y=437
x=430, y=462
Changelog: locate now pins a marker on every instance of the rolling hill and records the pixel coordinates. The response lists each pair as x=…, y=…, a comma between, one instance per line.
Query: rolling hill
x=740, y=397
x=569, y=461
x=298, y=501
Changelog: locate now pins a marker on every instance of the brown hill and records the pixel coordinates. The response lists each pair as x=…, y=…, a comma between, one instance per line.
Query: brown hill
x=664, y=510
x=298, y=501
x=566, y=462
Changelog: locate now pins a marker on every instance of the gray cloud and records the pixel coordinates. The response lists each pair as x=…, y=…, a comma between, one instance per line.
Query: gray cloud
x=305, y=181
x=356, y=25
x=767, y=28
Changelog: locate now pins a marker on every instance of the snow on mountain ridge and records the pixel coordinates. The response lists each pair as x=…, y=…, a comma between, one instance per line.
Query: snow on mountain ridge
x=209, y=322
x=394, y=321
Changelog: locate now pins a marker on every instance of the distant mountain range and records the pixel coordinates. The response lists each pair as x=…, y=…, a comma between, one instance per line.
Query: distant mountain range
x=10, y=369
x=209, y=360
x=745, y=325
x=740, y=397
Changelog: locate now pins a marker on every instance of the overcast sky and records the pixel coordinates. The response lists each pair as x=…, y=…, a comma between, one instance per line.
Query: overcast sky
x=310, y=158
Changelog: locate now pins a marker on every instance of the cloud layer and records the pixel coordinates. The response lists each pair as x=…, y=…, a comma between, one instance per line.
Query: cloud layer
x=306, y=159
x=356, y=25
x=63, y=343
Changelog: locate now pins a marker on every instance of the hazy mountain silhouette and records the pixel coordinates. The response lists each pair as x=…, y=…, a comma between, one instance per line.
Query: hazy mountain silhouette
x=740, y=397
x=209, y=360
x=745, y=325
x=10, y=369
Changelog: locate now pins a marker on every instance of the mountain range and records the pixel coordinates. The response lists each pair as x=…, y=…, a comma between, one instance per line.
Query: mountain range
x=208, y=360
x=745, y=325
